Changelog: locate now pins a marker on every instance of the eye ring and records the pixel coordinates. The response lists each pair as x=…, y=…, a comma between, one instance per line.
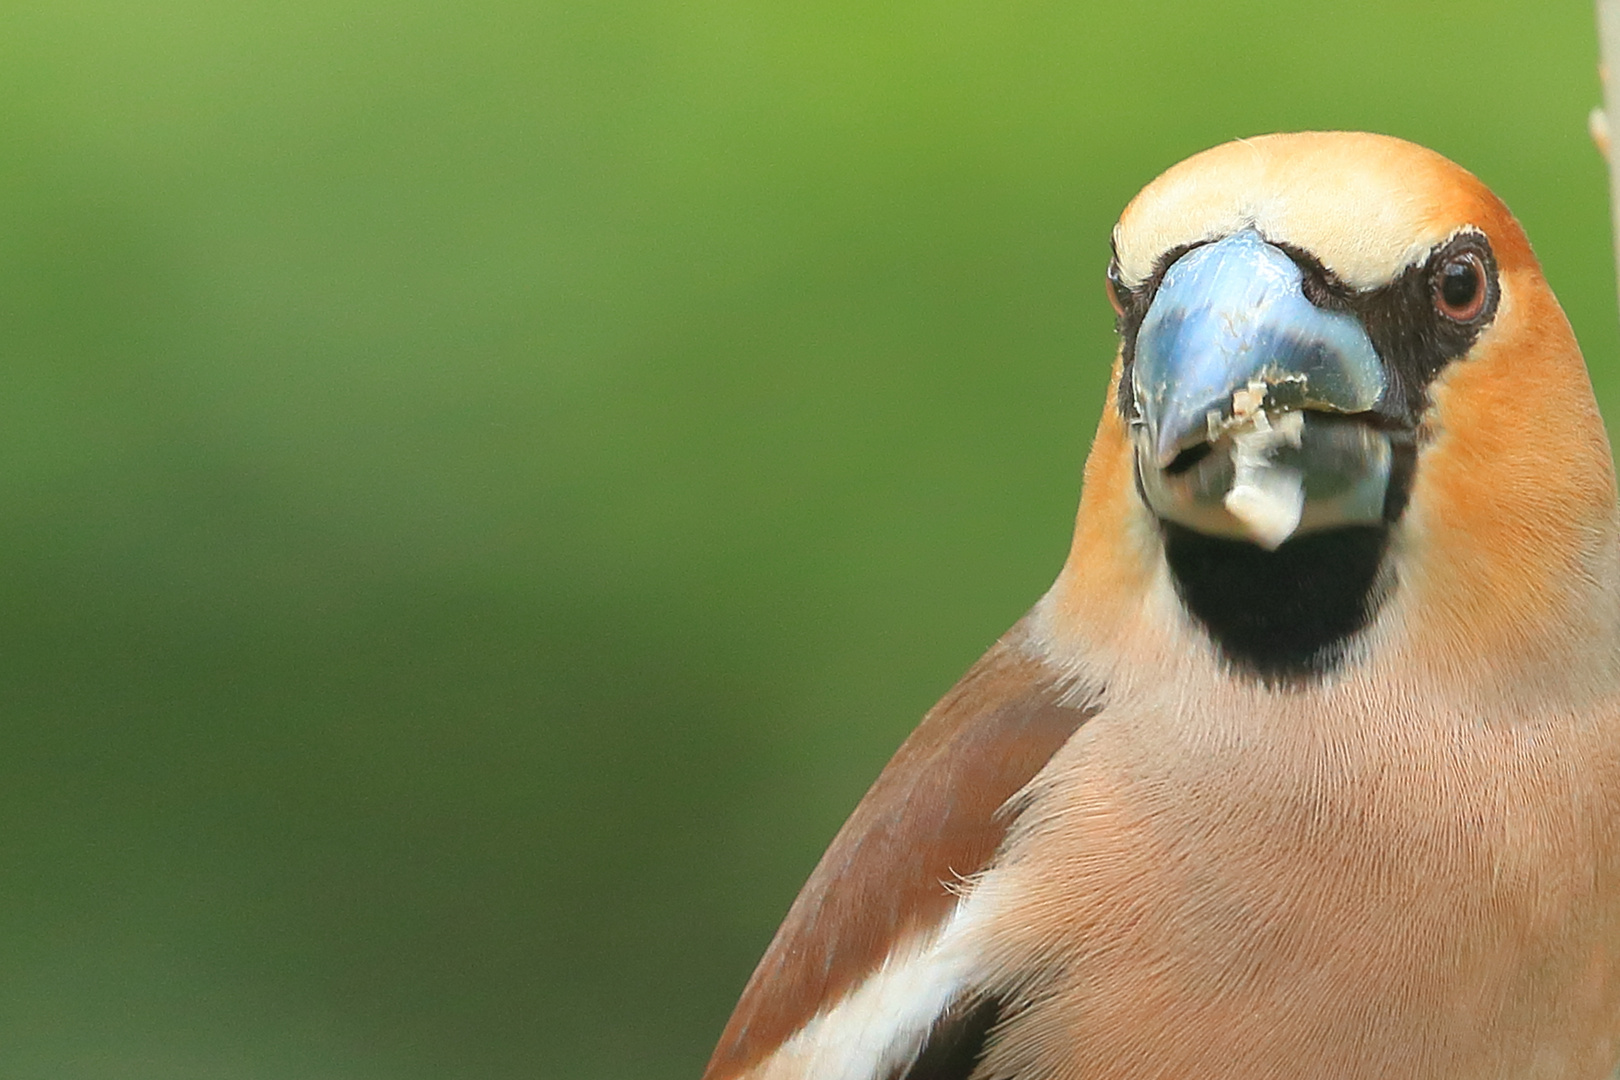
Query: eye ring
x=1461, y=288
x=1118, y=294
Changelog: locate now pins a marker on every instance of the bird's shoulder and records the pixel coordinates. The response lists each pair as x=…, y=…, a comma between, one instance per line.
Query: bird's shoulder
x=935, y=816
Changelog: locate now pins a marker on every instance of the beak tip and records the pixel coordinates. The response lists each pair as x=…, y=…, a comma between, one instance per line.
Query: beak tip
x=1170, y=430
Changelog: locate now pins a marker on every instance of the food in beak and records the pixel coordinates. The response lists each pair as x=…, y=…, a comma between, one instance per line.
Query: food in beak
x=1267, y=497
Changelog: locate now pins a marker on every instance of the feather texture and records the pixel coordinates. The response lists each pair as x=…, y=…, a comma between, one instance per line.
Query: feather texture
x=933, y=819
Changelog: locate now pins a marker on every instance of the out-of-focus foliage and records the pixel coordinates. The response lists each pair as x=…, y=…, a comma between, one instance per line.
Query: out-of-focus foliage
x=483, y=487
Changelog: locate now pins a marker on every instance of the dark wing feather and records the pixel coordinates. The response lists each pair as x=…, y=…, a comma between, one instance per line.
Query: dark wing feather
x=955, y=1044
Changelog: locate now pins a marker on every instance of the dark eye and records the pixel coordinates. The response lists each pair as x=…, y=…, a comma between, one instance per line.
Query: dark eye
x=1118, y=294
x=1459, y=289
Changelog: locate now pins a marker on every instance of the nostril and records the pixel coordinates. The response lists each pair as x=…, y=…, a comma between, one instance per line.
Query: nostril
x=1188, y=458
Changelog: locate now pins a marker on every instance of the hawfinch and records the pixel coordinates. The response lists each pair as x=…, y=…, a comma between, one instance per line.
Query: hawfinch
x=1308, y=765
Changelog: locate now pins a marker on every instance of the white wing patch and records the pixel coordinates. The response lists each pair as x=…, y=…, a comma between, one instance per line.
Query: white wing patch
x=882, y=1024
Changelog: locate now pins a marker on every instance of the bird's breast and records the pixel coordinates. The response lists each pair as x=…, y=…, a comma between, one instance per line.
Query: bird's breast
x=1238, y=887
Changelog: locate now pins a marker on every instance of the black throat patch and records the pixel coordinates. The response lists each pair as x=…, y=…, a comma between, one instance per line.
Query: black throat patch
x=1284, y=616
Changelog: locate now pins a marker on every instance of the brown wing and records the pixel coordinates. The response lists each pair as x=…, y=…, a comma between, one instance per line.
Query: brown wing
x=932, y=817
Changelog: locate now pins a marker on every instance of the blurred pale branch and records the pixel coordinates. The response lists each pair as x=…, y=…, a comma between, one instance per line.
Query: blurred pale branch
x=1608, y=19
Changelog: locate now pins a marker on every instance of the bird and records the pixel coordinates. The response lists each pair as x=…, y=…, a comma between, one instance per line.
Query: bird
x=1308, y=763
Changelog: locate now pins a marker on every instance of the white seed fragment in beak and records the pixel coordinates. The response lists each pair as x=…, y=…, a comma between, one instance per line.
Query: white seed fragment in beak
x=1266, y=498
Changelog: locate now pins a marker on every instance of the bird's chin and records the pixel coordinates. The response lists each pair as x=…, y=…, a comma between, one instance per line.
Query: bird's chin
x=1271, y=477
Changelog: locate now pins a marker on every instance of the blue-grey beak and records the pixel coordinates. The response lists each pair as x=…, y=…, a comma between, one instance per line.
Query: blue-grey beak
x=1244, y=392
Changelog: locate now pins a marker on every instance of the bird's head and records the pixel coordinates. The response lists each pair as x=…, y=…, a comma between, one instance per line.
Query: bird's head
x=1348, y=418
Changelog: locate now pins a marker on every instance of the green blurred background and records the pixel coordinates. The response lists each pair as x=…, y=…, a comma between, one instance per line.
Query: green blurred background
x=484, y=487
